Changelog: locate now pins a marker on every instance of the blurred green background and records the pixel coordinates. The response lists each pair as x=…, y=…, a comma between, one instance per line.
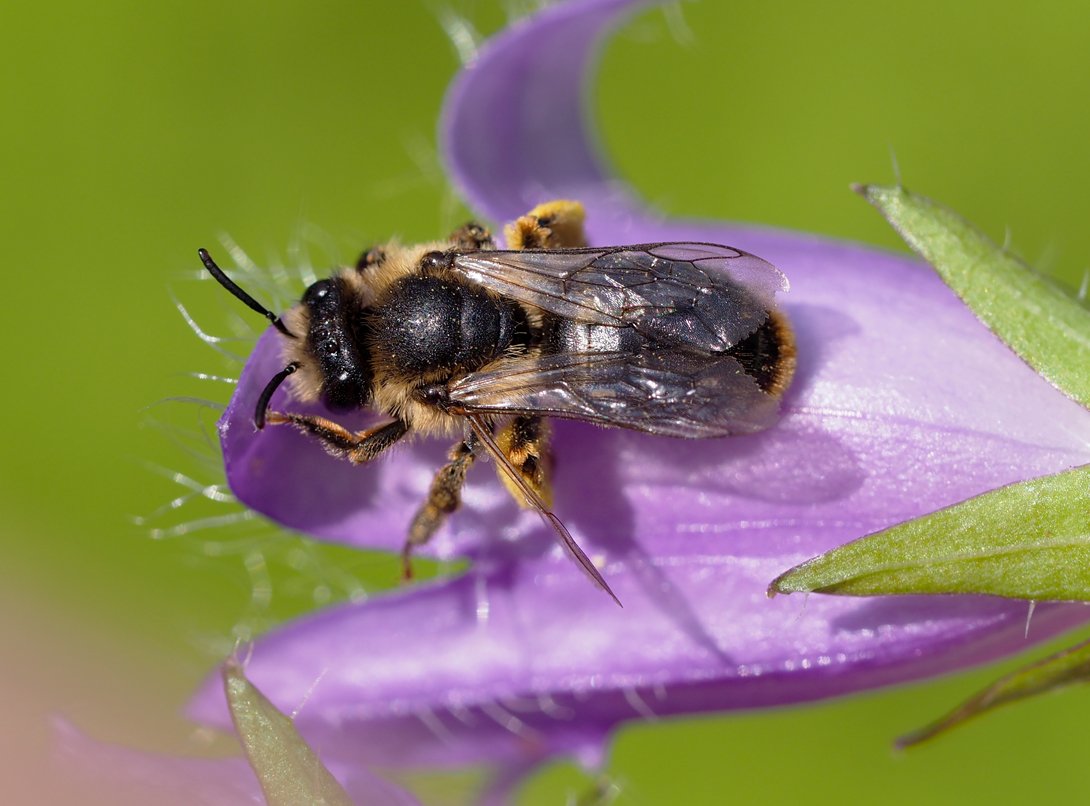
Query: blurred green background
x=135, y=132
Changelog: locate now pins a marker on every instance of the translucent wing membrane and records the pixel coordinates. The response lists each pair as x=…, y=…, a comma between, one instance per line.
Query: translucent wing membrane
x=659, y=391
x=698, y=296
x=484, y=434
x=692, y=304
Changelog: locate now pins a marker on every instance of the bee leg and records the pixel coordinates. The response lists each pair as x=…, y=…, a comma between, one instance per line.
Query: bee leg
x=472, y=237
x=525, y=441
x=444, y=497
x=553, y=225
x=355, y=446
x=369, y=258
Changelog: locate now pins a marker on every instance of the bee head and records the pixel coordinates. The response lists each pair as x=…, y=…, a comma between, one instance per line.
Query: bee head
x=334, y=345
x=331, y=359
x=330, y=363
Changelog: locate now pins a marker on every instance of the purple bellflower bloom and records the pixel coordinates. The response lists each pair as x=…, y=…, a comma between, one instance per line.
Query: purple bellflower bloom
x=903, y=403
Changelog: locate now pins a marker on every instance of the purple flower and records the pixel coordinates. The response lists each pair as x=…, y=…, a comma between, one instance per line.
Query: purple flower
x=903, y=403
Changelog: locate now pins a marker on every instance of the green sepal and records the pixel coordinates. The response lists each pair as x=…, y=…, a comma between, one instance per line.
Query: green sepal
x=289, y=771
x=1056, y=671
x=1047, y=327
x=1029, y=540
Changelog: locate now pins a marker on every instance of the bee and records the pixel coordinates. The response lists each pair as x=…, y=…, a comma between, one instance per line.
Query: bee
x=461, y=338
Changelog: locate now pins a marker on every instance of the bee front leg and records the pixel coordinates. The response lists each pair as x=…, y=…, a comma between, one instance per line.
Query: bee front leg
x=355, y=446
x=472, y=237
x=444, y=497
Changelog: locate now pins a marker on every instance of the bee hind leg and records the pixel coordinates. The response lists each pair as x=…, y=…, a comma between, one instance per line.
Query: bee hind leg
x=355, y=446
x=444, y=497
x=525, y=442
x=552, y=225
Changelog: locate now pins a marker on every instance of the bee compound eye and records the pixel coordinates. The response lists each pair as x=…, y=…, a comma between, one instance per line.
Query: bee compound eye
x=316, y=292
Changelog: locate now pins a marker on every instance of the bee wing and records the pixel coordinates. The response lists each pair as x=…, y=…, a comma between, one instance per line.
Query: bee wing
x=484, y=433
x=659, y=391
x=695, y=295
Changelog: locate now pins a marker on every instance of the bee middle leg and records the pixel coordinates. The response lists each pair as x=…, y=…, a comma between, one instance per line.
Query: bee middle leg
x=444, y=497
x=355, y=446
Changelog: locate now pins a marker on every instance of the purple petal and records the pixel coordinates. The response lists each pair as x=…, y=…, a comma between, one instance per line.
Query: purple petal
x=531, y=661
x=125, y=775
x=903, y=403
x=132, y=776
x=528, y=89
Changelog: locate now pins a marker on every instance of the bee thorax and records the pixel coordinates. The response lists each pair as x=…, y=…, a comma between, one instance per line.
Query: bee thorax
x=429, y=324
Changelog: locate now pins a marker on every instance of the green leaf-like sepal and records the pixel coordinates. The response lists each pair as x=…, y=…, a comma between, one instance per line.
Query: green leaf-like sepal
x=1044, y=325
x=1027, y=541
x=1056, y=671
x=289, y=771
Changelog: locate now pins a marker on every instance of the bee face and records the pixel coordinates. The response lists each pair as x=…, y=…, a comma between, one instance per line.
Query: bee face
x=335, y=345
x=673, y=339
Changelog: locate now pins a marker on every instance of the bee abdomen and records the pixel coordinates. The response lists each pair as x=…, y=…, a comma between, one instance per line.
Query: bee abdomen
x=768, y=354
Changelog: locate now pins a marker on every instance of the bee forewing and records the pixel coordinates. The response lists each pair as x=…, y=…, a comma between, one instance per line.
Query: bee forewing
x=694, y=295
x=484, y=434
x=659, y=392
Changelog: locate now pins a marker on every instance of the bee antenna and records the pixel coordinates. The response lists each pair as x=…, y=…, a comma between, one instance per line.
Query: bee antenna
x=238, y=293
x=267, y=393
